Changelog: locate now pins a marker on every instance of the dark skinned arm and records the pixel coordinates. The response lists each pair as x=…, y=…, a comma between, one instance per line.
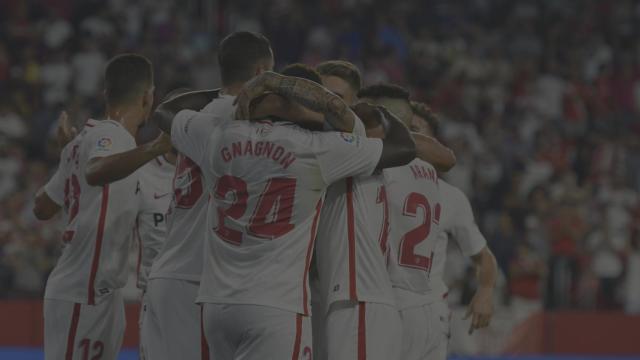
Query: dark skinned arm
x=432, y=151
x=399, y=148
x=44, y=208
x=193, y=100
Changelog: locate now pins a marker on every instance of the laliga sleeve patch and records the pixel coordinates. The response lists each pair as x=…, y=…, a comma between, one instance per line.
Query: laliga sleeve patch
x=350, y=138
x=104, y=144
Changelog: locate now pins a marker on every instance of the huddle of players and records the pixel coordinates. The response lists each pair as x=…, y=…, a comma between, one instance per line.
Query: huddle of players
x=325, y=178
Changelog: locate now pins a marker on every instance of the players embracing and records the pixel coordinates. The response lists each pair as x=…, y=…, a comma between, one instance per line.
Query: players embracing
x=274, y=173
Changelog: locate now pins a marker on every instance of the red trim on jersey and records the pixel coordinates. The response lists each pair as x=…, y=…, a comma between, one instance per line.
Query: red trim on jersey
x=351, y=238
x=98, y=245
x=296, y=344
x=307, y=262
x=204, y=346
x=362, y=332
x=158, y=161
x=73, y=328
x=139, y=262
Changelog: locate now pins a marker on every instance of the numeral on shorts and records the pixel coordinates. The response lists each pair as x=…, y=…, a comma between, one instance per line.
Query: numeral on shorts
x=271, y=216
x=407, y=256
x=97, y=348
x=187, y=172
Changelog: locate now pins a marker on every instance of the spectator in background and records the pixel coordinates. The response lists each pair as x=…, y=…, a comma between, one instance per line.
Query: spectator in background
x=527, y=273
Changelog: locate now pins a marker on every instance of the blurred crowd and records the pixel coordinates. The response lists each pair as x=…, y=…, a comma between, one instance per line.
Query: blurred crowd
x=539, y=99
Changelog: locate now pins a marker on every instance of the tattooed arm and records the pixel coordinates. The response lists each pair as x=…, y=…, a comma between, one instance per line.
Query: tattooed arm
x=297, y=90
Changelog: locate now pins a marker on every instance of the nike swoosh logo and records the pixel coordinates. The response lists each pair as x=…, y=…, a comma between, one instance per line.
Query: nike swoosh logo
x=156, y=196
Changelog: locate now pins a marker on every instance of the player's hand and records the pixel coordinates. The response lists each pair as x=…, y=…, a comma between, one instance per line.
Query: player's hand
x=480, y=309
x=65, y=132
x=249, y=92
x=161, y=145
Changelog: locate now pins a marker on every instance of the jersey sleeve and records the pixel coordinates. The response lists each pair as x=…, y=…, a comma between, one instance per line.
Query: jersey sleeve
x=55, y=187
x=342, y=155
x=110, y=140
x=358, y=128
x=464, y=229
x=190, y=133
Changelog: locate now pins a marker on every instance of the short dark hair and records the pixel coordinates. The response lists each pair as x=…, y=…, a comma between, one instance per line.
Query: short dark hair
x=423, y=111
x=302, y=71
x=387, y=90
x=126, y=77
x=239, y=52
x=342, y=69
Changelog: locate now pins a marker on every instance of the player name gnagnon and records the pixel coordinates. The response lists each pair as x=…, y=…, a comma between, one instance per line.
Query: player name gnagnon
x=265, y=149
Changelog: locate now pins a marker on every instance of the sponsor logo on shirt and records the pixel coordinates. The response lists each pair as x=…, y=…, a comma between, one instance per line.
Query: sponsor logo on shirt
x=104, y=144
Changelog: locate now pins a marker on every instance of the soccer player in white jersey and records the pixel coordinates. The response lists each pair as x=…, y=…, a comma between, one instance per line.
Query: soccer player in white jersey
x=83, y=306
x=267, y=182
x=150, y=232
x=171, y=327
x=457, y=223
x=361, y=317
x=415, y=205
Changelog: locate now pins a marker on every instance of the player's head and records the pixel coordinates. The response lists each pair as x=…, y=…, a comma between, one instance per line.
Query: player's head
x=342, y=78
x=424, y=120
x=243, y=55
x=393, y=97
x=302, y=71
x=128, y=81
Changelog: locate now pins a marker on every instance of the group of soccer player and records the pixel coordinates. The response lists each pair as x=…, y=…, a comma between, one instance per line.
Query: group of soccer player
x=283, y=216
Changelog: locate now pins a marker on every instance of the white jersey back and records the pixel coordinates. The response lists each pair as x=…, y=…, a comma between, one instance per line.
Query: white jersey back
x=457, y=223
x=268, y=181
x=352, y=242
x=98, y=219
x=414, y=200
x=181, y=256
x=151, y=228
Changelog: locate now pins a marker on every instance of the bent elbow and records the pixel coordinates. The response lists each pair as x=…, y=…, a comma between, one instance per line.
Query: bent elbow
x=408, y=153
x=449, y=161
x=39, y=213
x=92, y=178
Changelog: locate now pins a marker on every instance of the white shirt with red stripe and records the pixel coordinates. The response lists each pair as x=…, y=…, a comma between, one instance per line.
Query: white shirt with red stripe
x=181, y=257
x=151, y=227
x=268, y=181
x=352, y=242
x=458, y=223
x=415, y=205
x=98, y=219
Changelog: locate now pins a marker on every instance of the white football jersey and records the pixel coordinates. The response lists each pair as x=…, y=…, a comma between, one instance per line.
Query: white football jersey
x=267, y=182
x=352, y=242
x=151, y=227
x=457, y=223
x=181, y=256
x=98, y=219
x=414, y=200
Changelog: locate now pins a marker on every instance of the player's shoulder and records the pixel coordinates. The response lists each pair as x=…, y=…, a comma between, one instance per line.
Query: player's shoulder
x=99, y=128
x=454, y=196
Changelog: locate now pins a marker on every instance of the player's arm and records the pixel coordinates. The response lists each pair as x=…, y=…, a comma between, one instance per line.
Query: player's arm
x=398, y=147
x=432, y=151
x=107, y=169
x=194, y=100
x=49, y=198
x=481, y=307
x=273, y=105
x=299, y=91
x=44, y=207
